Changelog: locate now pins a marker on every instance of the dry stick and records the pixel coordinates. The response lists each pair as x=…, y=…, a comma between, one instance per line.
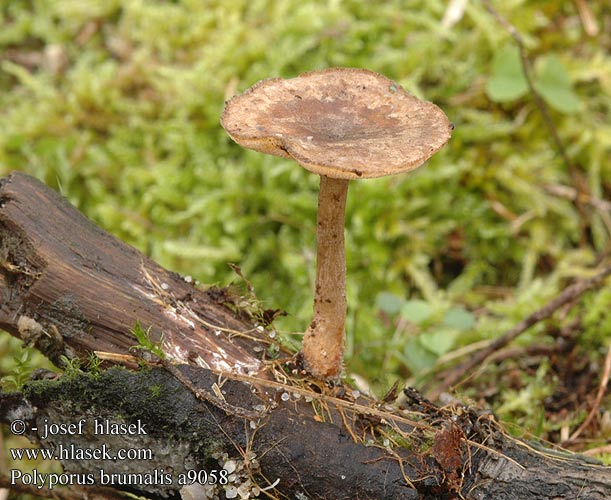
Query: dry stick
x=588, y=21
x=571, y=293
x=601, y=391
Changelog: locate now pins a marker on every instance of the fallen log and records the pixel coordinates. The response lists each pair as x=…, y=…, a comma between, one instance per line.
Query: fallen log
x=70, y=288
x=217, y=417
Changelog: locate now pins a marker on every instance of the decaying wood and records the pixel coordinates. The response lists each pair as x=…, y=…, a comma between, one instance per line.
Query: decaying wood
x=467, y=456
x=69, y=289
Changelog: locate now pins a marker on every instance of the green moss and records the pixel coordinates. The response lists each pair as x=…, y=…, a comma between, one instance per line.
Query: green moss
x=115, y=390
x=145, y=343
x=156, y=390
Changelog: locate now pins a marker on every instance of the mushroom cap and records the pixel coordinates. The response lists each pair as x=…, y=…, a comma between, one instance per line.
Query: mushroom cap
x=345, y=123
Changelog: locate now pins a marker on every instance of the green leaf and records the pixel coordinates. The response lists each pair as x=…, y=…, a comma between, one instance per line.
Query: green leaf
x=507, y=81
x=417, y=357
x=416, y=311
x=439, y=341
x=389, y=302
x=554, y=84
x=459, y=318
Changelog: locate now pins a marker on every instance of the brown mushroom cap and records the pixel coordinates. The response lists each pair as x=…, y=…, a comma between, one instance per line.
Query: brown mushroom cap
x=340, y=122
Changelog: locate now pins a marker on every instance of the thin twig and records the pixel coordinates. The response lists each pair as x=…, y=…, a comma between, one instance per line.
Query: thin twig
x=588, y=20
x=208, y=397
x=599, y=396
x=592, y=452
x=569, y=294
x=602, y=206
x=527, y=69
x=572, y=194
x=338, y=402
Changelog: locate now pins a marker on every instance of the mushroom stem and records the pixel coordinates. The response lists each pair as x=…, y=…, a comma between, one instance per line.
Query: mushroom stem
x=323, y=342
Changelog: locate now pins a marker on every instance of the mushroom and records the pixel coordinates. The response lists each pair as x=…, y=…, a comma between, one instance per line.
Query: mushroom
x=343, y=124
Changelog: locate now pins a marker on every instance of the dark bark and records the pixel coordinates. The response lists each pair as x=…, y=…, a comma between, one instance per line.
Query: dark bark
x=86, y=287
x=318, y=460
x=82, y=290
x=312, y=459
